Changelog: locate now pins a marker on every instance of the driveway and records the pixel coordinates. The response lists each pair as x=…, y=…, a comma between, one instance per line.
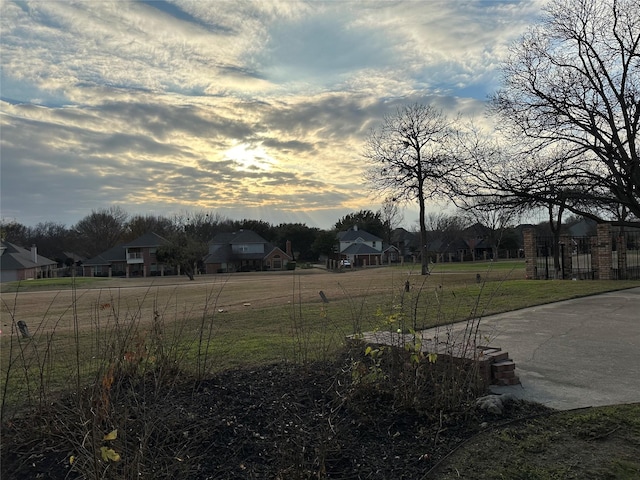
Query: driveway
x=576, y=353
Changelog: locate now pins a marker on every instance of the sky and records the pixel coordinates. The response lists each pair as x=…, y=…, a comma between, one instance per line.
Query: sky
x=249, y=109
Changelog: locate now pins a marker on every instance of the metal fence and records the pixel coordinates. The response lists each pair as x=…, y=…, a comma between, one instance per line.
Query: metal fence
x=546, y=249
x=625, y=255
x=574, y=257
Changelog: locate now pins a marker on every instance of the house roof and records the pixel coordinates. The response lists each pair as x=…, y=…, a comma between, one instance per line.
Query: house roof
x=221, y=247
x=14, y=257
x=115, y=254
x=119, y=252
x=582, y=228
x=402, y=235
x=271, y=249
x=220, y=255
x=442, y=245
x=241, y=236
x=354, y=235
x=149, y=239
x=360, y=249
x=477, y=230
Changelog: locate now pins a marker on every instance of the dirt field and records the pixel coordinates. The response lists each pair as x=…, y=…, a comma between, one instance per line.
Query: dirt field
x=44, y=311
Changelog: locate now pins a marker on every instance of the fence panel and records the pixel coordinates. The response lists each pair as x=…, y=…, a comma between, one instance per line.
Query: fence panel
x=545, y=252
x=625, y=262
x=581, y=259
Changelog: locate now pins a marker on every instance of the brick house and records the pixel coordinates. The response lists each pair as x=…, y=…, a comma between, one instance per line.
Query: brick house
x=360, y=248
x=244, y=251
x=133, y=259
x=17, y=263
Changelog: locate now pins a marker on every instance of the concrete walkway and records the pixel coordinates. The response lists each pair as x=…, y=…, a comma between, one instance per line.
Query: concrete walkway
x=576, y=353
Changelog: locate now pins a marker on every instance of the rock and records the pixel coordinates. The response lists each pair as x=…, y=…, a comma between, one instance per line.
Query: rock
x=24, y=330
x=494, y=403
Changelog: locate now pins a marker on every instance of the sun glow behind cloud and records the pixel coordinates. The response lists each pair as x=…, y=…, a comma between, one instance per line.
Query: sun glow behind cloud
x=244, y=108
x=250, y=158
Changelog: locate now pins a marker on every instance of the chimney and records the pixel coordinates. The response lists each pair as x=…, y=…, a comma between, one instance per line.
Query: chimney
x=289, y=248
x=34, y=253
x=355, y=228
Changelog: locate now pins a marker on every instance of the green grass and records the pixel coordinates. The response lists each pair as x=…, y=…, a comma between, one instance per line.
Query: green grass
x=477, y=267
x=594, y=443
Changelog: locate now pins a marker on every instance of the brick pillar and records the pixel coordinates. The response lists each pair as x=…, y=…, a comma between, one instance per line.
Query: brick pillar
x=603, y=251
x=530, y=252
x=621, y=248
x=595, y=258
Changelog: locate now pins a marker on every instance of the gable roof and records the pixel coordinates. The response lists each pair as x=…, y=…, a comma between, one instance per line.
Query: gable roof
x=119, y=252
x=360, y=249
x=115, y=254
x=442, y=245
x=234, y=238
x=14, y=257
x=354, y=235
x=221, y=247
x=403, y=235
x=149, y=239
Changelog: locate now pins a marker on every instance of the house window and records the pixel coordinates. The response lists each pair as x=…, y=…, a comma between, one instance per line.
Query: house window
x=373, y=244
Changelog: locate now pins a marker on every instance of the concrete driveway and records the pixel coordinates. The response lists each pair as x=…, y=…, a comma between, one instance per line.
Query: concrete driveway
x=576, y=353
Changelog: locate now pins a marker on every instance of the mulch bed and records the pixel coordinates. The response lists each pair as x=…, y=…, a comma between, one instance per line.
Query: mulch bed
x=273, y=422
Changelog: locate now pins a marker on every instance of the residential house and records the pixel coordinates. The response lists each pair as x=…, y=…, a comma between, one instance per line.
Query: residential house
x=134, y=259
x=360, y=248
x=69, y=264
x=446, y=248
x=391, y=254
x=585, y=227
x=244, y=251
x=17, y=263
x=407, y=243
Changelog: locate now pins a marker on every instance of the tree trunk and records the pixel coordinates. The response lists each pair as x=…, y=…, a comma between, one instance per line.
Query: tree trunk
x=189, y=271
x=423, y=236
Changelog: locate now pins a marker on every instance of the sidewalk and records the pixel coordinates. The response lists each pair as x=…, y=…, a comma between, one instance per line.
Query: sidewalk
x=576, y=353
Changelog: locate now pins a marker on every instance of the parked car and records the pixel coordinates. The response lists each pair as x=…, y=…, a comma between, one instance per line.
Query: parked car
x=345, y=263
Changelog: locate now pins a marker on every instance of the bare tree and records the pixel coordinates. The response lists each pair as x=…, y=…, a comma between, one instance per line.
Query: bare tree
x=141, y=224
x=101, y=230
x=496, y=218
x=411, y=156
x=573, y=82
x=391, y=217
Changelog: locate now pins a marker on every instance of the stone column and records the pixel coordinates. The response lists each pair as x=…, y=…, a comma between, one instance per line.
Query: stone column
x=530, y=253
x=621, y=248
x=603, y=251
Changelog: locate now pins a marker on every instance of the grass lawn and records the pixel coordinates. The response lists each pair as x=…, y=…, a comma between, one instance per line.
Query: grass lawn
x=77, y=325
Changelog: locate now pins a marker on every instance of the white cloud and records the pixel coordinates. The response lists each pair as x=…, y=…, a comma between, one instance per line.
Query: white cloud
x=139, y=103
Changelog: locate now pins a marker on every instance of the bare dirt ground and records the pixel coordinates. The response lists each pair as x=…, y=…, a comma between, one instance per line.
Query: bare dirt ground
x=44, y=311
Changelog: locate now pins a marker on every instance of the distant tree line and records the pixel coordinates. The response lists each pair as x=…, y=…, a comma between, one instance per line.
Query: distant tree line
x=189, y=233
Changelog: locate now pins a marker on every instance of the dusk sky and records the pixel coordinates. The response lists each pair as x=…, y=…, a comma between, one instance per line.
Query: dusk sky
x=251, y=109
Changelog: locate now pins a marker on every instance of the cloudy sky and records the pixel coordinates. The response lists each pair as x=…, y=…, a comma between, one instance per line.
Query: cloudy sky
x=251, y=109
